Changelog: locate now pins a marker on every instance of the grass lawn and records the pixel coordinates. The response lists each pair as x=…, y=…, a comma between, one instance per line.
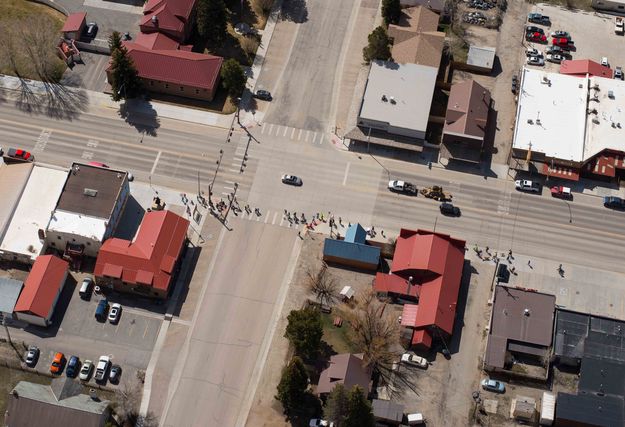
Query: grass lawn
x=38, y=22
x=337, y=338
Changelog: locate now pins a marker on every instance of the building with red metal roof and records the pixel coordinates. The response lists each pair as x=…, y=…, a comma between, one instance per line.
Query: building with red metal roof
x=427, y=268
x=41, y=290
x=163, y=64
x=74, y=24
x=147, y=264
x=585, y=68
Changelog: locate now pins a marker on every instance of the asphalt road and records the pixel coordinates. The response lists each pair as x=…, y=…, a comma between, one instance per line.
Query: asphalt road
x=236, y=313
x=304, y=86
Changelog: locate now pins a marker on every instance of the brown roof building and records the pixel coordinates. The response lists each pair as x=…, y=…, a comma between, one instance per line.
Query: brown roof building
x=416, y=39
x=346, y=369
x=466, y=121
x=521, y=326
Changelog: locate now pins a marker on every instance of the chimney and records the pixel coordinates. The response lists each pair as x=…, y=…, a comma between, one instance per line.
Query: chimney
x=155, y=20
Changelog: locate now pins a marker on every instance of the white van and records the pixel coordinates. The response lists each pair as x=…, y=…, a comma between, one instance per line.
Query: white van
x=415, y=419
x=85, y=288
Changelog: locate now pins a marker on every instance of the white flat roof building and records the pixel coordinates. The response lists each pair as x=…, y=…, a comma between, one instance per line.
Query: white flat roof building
x=21, y=240
x=13, y=180
x=398, y=98
x=606, y=128
x=78, y=224
x=551, y=114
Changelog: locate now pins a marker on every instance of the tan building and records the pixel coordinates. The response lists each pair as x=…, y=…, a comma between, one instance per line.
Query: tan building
x=416, y=39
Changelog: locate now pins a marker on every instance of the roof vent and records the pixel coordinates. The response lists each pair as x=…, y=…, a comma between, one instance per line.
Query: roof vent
x=93, y=394
x=538, y=122
x=526, y=312
x=393, y=100
x=596, y=87
x=611, y=94
x=530, y=121
x=580, y=85
x=90, y=192
x=384, y=98
x=595, y=121
x=154, y=19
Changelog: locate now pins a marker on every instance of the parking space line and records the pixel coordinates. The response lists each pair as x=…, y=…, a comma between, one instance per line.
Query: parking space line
x=292, y=133
x=314, y=137
x=262, y=129
x=274, y=218
x=285, y=129
x=270, y=129
x=321, y=140
x=266, y=218
x=299, y=135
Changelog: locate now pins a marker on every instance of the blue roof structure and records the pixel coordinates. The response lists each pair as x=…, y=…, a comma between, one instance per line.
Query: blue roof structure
x=353, y=250
x=356, y=234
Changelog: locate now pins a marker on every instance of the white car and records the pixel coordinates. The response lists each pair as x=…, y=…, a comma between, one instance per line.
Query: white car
x=103, y=366
x=85, y=371
x=532, y=51
x=604, y=61
x=116, y=310
x=413, y=359
x=316, y=422
x=526, y=185
x=535, y=60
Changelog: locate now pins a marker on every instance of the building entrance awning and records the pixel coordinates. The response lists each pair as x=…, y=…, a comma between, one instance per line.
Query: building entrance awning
x=563, y=172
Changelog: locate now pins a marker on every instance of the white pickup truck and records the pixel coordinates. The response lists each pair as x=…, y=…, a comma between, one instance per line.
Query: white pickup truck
x=103, y=365
x=402, y=187
x=619, y=25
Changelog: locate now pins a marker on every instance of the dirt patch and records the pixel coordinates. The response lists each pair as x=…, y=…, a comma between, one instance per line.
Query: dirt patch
x=569, y=4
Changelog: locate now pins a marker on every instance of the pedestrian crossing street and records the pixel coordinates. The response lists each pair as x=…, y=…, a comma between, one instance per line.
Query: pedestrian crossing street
x=294, y=134
x=271, y=217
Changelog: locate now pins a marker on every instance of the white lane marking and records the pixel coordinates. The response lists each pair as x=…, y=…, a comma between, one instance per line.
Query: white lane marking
x=299, y=135
x=229, y=182
x=92, y=143
x=158, y=157
x=292, y=133
x=262, y=129
x=234, y=163
x=87, y=155
x=266, y=218
x=346, y=173
x=275, y=214
x=282, y=221
x=321, y=140
x=224, y=194
x=285, y=129
x=229, y=188
x=238, y=159
x=314, y=137
x=233, y=170
x=43, y=138
x=307, y=135
x=270, y=129
x=257, y=218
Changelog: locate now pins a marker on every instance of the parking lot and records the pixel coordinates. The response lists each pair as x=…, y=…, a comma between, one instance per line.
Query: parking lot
x=592, y=33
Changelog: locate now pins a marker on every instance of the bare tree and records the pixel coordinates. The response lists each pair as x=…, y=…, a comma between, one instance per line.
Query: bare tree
x=323, y=285
x=249, y=45
x=376, y=335
x=126, y=404
x=39, y=38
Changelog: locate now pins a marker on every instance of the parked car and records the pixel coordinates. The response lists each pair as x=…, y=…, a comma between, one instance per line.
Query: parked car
x=533, y=29
x=316, y=422
x=402, y=187
x=556, y=58
x=447, y=208
x=116, y=311
x=537, y=18
x=413, y=359
x=536, y=37
x=32, y=356
x=561, y=34
x=101, y=309
x=563, y=43
x=265, y=95
x=515, y=83
x=116, y=372
x=292, y=180
x=85, y=288
x=492, y=385
x=73, y=366
x=18, y=153
x=535, y=60
x=102, y=368
x=526, y=185
x=618, y=73
x=613, y=202
x=561, y=192
x=56, y=367
x=91, y=29
x=85, y=371
x=604, y=61
x=532, y=51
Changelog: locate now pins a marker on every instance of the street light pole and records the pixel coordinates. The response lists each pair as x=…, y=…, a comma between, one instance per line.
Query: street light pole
x=210, y=187
x=232, y=199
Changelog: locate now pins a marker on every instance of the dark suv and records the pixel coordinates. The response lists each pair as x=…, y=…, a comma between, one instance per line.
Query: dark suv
x=449, y=209
x=265, y=95
x=613, y=202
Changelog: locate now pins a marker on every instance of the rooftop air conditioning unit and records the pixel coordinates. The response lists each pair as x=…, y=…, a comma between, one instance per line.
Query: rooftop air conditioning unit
x=393, y=100
x=530, y=121
x=90, y=192
x=595, y=121
x=384, y=99
x=154, y=19
x=611, y=94
x=596, y=87
x=580, y=85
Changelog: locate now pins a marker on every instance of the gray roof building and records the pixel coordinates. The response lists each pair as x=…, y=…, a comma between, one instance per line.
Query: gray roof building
x=589, y=410
x=9, y=293
x=481, y=58
x=60, y=404
x=398, y=98
x=388, y=411
x=346, y=369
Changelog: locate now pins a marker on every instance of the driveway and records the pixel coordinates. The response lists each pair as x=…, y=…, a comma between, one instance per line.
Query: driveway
x=110, y=16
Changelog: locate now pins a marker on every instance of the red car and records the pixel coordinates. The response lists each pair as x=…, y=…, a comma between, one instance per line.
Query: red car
x=536, y=37
x=561, y=192
x=98, y=164
x=563, y=42
x=18, y=153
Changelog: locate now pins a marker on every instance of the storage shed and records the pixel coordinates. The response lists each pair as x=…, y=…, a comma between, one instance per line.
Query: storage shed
x=74, y=25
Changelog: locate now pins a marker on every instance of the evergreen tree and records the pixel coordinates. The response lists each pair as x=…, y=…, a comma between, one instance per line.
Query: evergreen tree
x=212, y=20
x=359, y=412
x=292, y=386
x=125, y=81
x=337, y=405
x=304, y=331
x=115, y=41
x=378, y=47
x=233, y=78
x=391, y=11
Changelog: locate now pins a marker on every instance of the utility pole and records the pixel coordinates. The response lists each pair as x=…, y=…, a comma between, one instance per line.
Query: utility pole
x=232, y=199
x=210, y=187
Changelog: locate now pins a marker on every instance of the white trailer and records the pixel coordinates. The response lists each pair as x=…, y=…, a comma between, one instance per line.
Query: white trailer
x=547, y=409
